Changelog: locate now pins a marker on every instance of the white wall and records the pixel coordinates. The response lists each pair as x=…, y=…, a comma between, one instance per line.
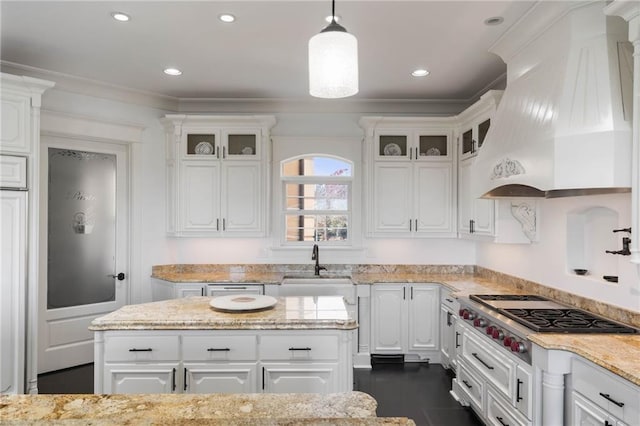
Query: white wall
x=152, y=247
x=548, y=261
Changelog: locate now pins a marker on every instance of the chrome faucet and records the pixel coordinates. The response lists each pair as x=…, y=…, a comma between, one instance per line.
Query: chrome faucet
x=315, y=255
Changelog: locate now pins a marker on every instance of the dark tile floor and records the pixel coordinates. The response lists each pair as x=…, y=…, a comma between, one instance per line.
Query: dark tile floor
x=417, y=391
x=414, y=390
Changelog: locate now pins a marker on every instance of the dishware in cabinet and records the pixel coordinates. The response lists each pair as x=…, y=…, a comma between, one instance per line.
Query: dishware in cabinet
x=412, y=145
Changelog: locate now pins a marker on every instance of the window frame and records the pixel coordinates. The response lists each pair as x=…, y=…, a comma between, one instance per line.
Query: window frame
x=284, y=213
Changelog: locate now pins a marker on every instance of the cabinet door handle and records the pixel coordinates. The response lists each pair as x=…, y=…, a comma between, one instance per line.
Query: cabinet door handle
x=416, y=227
x=608, y=398
x=472, y=226
x=299, y=349
x=501, y=422
x=224, y=224
x=449, y=319
x=262, y=378
x=411, y=293
x=467, y=384
x=224, y=152
x=218, y=349
x=173, y=380
x=475, y=355
x=217, y=152
x=518, y=397
x=217, y=224
x=457, y=336
x=202, y=291
x=404, y=293
x=185, y=379
x=410, y=225
x=140, y=350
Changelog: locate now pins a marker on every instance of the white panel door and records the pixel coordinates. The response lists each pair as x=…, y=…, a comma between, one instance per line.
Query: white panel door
x=242, y=201
x=465, y=207
x=220, y=378
x=13, y=242
x=392, y=209
x=15, y=112
x=132, y=378
x=200, y=196
x=299, y=378
x=424, y=301
x=389, y=318
x=586, y=413
x=433, y=198
x=84, y=246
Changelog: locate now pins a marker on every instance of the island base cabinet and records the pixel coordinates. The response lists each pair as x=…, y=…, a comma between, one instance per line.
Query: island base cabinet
x=223, y=378
x=136, y=378
x=299, y=378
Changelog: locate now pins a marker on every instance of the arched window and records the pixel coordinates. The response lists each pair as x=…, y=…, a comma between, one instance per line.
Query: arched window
x=317, y=199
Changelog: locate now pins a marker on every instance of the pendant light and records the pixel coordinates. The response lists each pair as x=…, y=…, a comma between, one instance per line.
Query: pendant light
x=333, y=61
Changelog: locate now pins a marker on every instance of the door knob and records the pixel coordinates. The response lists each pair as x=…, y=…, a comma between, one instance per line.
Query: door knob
x=120, y=276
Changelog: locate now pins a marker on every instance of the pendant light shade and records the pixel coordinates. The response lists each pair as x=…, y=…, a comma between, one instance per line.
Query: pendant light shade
x=333, y=62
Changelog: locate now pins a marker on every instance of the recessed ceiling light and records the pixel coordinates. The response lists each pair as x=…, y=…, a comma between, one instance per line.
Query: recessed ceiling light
x=496, y=20
x=337, y=18
x=172, y=71
x=119, y=16
x=420, y=72
x=227, y=17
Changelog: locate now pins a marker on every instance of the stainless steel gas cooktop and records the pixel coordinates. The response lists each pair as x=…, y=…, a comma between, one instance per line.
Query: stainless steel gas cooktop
x=544, y=315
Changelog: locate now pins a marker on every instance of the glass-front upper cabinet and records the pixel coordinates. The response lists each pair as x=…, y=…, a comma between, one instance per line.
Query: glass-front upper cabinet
x=473, y=138
x=223, y=144
x=426, y=145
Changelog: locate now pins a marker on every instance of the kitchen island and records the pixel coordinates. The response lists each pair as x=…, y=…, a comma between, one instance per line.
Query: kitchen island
x=300, y=345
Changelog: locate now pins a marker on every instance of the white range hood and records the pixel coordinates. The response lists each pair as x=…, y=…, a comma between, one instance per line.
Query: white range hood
x=563, y=126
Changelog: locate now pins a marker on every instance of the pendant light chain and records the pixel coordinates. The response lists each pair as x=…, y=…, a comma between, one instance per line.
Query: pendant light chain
x=333, y=11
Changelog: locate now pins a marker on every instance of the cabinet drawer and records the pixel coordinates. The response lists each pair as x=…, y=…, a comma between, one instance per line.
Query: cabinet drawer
x=13, y=172
x=141, y=348
x=471, y=386
x=448, y=300
x=219, y=348
x=500, y=413
x=498, y=369
x=607, y=391
x=298, y=347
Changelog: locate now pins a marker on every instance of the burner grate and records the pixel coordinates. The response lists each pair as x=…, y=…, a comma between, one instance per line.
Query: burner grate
x=564, y=321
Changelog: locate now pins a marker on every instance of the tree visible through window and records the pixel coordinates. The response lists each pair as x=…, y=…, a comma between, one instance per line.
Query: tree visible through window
x=317, y=204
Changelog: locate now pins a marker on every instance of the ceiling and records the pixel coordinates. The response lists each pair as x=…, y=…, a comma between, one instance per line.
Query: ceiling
x=264, y=53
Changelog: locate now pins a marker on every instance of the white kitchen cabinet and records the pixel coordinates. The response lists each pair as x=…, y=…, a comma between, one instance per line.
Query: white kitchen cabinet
x=20, y=102
x=475, y=215
x=410, y=176
x=448, y=318
x=598, y=396
x=164, y=290
x=227, y=289
x=219, y=378
x=13, y=283
x=405, y=320
x=223, y=361
x=141, y=378
x=499, y=412
x=217, y=173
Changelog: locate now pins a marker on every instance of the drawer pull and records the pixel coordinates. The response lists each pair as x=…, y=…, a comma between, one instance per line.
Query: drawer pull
x=449, y=300
x=173, y=380
x=501, y=422
x=457, y=343
x=299, y=349
x=218, y=350
x=518, y=397
x=475, y=355
x=608, y=398
x=185, y=379
x=140, y=350
x=467, y=384
x=235, y=288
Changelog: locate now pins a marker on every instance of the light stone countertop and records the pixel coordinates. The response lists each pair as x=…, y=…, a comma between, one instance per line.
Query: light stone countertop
x=195, y=313
x=351, y=408
x=614, y=352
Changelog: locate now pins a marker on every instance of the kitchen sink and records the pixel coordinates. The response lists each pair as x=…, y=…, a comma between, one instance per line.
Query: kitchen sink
x=310, y=285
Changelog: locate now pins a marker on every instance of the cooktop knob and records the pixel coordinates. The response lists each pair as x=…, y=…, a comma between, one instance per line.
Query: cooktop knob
x=470, y=315
x=518, y=347
x=461, y=312
x=490, y=330
x=507, y=341
x=479, y=322
x=497, y=334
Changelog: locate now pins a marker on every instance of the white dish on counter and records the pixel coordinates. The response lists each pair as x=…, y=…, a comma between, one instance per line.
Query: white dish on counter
x=242, y=302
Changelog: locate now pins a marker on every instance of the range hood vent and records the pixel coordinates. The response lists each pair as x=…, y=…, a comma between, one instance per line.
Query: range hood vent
x=563, y=126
